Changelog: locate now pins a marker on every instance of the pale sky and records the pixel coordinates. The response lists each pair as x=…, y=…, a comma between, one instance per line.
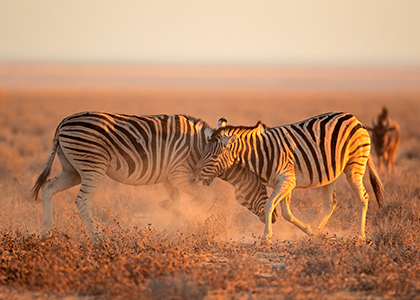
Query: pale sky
x=355, y=32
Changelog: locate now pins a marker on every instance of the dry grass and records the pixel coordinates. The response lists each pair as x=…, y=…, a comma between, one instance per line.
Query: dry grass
x=215, y=253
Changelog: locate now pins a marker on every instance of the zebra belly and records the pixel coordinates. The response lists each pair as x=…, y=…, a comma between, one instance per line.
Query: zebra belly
x=137, y=177
x=303, y=181
x=305, y=185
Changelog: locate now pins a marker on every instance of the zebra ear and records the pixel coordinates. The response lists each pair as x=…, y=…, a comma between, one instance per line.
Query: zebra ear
x=260, y=127
x=227, y=141
x=232, y=139
x=222, y=122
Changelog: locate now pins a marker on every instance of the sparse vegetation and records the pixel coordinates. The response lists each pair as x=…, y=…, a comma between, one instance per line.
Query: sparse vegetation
x=216, y=253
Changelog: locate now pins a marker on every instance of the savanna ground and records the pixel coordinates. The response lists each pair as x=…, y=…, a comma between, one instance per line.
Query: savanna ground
x=214, y=253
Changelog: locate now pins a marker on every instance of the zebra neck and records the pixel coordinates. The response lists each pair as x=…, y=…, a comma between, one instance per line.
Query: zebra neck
x=250, y=153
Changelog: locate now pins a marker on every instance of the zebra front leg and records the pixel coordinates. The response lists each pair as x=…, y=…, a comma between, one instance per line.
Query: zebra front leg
x=279, y=192
x=330, y=203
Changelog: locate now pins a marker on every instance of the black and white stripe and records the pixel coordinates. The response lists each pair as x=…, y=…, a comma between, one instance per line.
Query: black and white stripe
x=307, y=154
x=135, y=150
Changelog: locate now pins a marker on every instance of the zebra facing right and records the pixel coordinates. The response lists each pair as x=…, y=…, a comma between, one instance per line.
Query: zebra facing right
x=308, y=154
x=135, y=150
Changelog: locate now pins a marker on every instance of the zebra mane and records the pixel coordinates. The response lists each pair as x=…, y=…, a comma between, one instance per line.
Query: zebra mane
x=202, y=125
x=238, y=129
x=197, y=121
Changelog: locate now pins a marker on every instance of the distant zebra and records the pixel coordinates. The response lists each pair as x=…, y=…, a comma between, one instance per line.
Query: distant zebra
x=385, y=139
x=307, y=154
x=135, y=150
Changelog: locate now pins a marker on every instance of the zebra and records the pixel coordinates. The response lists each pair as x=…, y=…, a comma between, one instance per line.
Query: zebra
x=307, y=154
x=385, y=139
x=135, y=150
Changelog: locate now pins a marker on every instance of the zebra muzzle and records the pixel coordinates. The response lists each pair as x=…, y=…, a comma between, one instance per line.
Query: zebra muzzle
x=195, y=177
x=207, y=182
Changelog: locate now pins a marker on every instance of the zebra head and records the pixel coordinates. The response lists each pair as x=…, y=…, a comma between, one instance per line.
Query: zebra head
x=216, y=158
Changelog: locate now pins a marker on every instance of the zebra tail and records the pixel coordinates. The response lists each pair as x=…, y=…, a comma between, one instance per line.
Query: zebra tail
x=42, y=178
x=375, y=181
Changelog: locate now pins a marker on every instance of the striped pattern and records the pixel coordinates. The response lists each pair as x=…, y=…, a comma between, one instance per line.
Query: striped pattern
x=307, y=154
x=130, y=149
x=135, y=150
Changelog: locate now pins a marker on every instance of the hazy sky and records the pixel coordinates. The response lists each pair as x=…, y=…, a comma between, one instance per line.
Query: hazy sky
x=228, y=31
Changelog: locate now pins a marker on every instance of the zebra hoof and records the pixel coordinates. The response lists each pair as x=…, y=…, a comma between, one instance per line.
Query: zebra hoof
x=207, y=182
x=165, y=204
x=266, y=242
x=45, y=233
x=360, y=240
x=318, y=236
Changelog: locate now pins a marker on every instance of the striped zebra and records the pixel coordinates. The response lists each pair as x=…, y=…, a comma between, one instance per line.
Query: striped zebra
x=135, y=150
x=308, y=154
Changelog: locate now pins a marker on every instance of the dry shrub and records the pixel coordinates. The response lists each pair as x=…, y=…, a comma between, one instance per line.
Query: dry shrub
x=205, y=232
x=397, y=225
x=142, y=263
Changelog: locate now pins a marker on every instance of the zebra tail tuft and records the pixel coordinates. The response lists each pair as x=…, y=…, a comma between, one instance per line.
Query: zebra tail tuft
x=42, y=178
x=375, y=181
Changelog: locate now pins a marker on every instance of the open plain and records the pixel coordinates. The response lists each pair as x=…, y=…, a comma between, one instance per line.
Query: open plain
x=214, y=252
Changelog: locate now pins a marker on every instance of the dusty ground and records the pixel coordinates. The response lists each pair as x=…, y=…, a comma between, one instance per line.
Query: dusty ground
x=214, y=253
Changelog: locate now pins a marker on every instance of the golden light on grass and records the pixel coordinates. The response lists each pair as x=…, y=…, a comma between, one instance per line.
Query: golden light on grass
x=214, y=253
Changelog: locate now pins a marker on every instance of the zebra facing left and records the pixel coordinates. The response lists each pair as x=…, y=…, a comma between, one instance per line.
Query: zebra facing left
x=308, y=154
x=136, y=150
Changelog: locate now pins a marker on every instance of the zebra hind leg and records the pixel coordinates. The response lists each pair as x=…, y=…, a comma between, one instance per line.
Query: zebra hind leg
x=330, y=203
x=355, y=179
x=88, y=189
x=174, y=197
x=181, y=180
x=68, y=178
x=288, y=216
